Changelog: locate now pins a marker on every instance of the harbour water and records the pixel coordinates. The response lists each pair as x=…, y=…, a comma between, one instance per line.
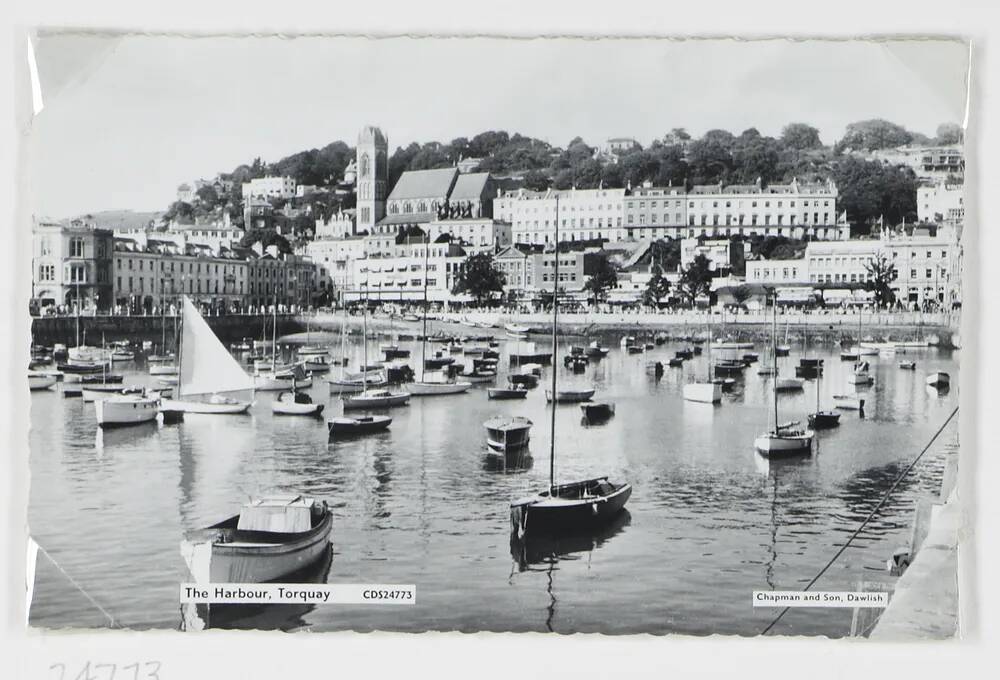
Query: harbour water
x=425, y=503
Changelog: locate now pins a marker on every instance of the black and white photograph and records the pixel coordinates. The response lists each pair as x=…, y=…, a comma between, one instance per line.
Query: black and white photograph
x=553, y=335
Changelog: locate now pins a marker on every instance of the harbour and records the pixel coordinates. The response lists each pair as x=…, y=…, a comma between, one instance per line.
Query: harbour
x=427, y=501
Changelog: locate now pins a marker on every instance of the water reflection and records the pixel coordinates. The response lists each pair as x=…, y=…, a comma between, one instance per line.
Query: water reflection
x=262, y=616
x=543, y=554
x=515, y=460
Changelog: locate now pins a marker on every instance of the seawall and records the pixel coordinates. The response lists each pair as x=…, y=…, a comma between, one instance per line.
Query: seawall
x=229, y=327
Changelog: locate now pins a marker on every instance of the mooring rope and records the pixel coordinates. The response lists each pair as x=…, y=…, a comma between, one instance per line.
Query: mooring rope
x=867, y=519
x=111, y=619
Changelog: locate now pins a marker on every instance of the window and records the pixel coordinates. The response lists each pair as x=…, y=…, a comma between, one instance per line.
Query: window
x=47, y=272
x=76, y=246
x=929, y=274
x=913, y=273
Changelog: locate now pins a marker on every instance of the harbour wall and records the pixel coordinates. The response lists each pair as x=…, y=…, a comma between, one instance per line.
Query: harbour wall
x=229, y=327
x=938, y=329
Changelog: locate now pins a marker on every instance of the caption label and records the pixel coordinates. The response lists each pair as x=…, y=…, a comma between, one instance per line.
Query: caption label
x=297, y=593
x=809, y=598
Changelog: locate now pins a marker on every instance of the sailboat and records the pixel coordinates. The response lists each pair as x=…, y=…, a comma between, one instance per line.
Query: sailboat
x=822, y=419
x=708, y=391
x=380, y=398
x=275, y=378
x=782, y=439
x=571, y=506
x=83, y=358
x=784, y=348
x=436, y=382
x=207, y=369
x=355, y=382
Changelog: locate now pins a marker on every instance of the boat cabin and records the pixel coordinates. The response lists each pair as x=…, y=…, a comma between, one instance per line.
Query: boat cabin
x=278, y=514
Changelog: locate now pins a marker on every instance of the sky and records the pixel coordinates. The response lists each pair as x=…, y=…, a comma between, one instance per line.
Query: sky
x=124, y=119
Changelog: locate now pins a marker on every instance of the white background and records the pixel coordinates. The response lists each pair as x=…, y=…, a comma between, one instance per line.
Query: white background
x=29, y=654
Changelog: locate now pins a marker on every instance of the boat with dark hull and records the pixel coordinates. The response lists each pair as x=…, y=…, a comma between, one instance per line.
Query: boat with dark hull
x=507, y=433
x=345, y=427
x=507, y=392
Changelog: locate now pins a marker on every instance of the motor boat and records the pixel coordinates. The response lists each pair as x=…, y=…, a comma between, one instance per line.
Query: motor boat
x=938, y=379
x=523, y=379
x=41, y=381
x=507, y=433
x=703, y=392
x=595, y=350
x=122, y=410
x=908, y=365
x=518, y=392
x=436, y=383
x=788, y=384
x=849, y=402
x=375, y=399
x=597, y=410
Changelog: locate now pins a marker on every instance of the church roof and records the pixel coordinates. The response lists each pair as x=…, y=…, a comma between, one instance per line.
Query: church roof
x=409, y=218
x=424, y=184
x=470, y=186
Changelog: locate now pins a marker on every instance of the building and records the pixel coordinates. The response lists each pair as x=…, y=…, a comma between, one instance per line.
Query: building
x=469, y=164
x=940, y=202
x=620, y=145
x=372, y=180
x=70, y=263
x=655, y=212
x=476, y=234
x=412, y=265
x=421, y=193
x=584, y=214
x=516, y=262
x=795, y=210
x=335, y=257
x=770, y=272
x=269, y=187
x=928, y=163
x=185, y=193
x=724, y=255
x=338, y=225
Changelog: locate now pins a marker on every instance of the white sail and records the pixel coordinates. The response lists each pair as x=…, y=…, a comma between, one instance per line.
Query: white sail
x=206, y=365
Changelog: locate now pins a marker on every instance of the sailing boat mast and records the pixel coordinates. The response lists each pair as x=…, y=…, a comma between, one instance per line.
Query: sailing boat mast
x=364, y=341
x=423, y=345
x=709, y=379
x=77, y=313
x=555, y=347
x=774, y=356
x=274, y=331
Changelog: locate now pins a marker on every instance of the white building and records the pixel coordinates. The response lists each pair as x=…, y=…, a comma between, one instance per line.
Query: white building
x=655, y=212
x=723, y=254
x=794, y=210
x=269, y=187
x=584, y=214
x=941, y=202
x=402, y=274
x=339, y=225
x=335, y=257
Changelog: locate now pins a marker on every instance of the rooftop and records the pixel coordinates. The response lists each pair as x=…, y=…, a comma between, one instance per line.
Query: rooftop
x=470, y=186
x=424, y=184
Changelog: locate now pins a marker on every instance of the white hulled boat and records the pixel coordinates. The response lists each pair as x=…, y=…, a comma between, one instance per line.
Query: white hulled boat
x=939, y=379
x=207, y=371
x=120, y=410
x=40, y=381
x=709, y=391
x=507, y=433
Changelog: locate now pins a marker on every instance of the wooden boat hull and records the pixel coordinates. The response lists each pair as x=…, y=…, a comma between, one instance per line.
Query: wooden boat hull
x=938, y=379
x=41, y=382
x=778, y=445
x=824, y=419
x=121, y=412
x=262, y=561
x=356, y=426
x=860, y=379
x=430, y=389
x=526, y=379
x=483, y=377
x=542, y=515
x=354, y=386
x=206, y=408
x=82, y=368
x=266, y=383
x=788, y=384
x=98, y=392
x=363, y=401
x=706, y=393
x=848, y=403
x=908, y=365
x=162, y=369
x=597, y=411
x=504, y=435
x=569, y=396
x=503, y=393
x=287, y=408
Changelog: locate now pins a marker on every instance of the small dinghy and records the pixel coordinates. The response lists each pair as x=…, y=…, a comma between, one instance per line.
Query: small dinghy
x=675, y=362
x=782, y=350
x=908, y=365
x=340, y=427
x=375, y=399
x=269, y=539
x=570, y=396
x=702, y=392
x=40, y=381
x=573, y=507
x=93, y=393
x=784, y=440
x=824, y=419
x=849, y=402
x=939, y=379
x=394, y=352
x=516, y=329
x=533, y=369
x=750, y=358
x=725, y=384
x=162, y=369
x=122, y=355
x=507, y=433
x=729, y=367
x=519, y=392
x=295, y=404
x=307, y=351
x=523, y=379
x=161, y=358
x=317, y=363
x=860, y=375
x=480, y=376
x=598, y=410
x=684, y=354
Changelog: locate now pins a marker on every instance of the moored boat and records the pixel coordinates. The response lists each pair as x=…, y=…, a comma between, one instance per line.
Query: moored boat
x=938, y=379
x=518, y=392
x=570, y=396
x=269, y=539
x=523, y=379
x=788, y=384
x=41, y=381
x=507, y=433
x=163, y=369
x=568, y=508
x=703, y=392
x=295, y=404
x=596, y=350
x=784, y=440
x=597, y=410
x=122, y=410
x=375, y=399
x=849, y=402
x=355, y=426
x=908, y=365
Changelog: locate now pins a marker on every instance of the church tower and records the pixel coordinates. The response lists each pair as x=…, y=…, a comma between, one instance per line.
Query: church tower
x=373, y=177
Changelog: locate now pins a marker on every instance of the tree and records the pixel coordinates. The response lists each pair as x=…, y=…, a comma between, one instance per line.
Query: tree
x=711, y=158
x=207, y=195
x=657, y=288
x=741, y=293
x=480, y=278
x=180, y=211
x=881, y=273
x=267, y=238
x=869, y=135
x=870, y=190
x=696, y=279
x=949, y=133
x=800, y=137
x=603, y=277
x=536, y=180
